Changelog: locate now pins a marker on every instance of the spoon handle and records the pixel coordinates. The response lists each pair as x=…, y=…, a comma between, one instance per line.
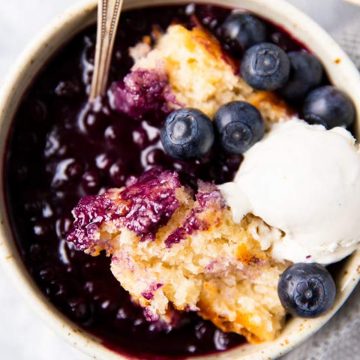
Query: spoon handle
x=108, y=20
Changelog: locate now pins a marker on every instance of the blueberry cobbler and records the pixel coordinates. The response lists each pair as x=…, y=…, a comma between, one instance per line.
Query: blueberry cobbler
x=199, y=202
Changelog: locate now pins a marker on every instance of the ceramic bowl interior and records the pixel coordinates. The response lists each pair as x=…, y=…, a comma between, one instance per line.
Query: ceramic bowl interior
x=342, y=73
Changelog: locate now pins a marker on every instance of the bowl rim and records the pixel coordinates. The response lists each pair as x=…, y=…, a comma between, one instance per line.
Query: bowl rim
x=12, y=263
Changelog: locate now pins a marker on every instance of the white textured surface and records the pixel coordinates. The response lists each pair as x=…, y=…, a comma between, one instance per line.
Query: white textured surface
x=289, y=157
x=22, y=335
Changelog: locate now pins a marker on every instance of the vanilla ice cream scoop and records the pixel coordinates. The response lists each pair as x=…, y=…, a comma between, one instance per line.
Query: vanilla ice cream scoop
x=305, y=181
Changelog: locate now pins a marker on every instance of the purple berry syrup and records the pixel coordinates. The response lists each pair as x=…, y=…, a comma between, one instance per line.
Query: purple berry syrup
x=61, y=150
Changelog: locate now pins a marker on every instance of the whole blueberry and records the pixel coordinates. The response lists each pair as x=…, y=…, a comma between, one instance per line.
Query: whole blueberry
x=242, y=30
x=239, y=126
x=328, y=106
x=187, y=133
x=306, y=72
x=265, y=67
x=307, y=290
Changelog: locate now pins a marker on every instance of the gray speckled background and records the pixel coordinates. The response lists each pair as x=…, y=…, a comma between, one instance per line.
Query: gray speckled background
x=22, y=335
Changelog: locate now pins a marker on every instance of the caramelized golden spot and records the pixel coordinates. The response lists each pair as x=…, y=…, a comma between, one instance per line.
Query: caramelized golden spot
x=211, y=45
x=146, y=40
x=249, y=256
x=254, y=324
x=269, y=99
x=156, y=32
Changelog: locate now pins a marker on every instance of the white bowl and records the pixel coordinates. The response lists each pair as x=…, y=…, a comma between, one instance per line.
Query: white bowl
x=342, y=73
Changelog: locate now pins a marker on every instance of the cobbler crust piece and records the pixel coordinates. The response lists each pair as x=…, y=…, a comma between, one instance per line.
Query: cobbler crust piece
x=191, y=70
x=173, y=249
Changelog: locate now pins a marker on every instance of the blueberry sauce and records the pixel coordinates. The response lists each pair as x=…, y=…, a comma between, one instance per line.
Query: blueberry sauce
x=60, y=149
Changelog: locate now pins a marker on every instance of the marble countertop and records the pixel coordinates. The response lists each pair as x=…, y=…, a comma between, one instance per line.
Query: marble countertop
x=23, y=336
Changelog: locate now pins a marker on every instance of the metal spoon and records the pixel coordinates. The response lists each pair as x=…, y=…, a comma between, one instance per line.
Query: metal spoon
x=108, y=20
